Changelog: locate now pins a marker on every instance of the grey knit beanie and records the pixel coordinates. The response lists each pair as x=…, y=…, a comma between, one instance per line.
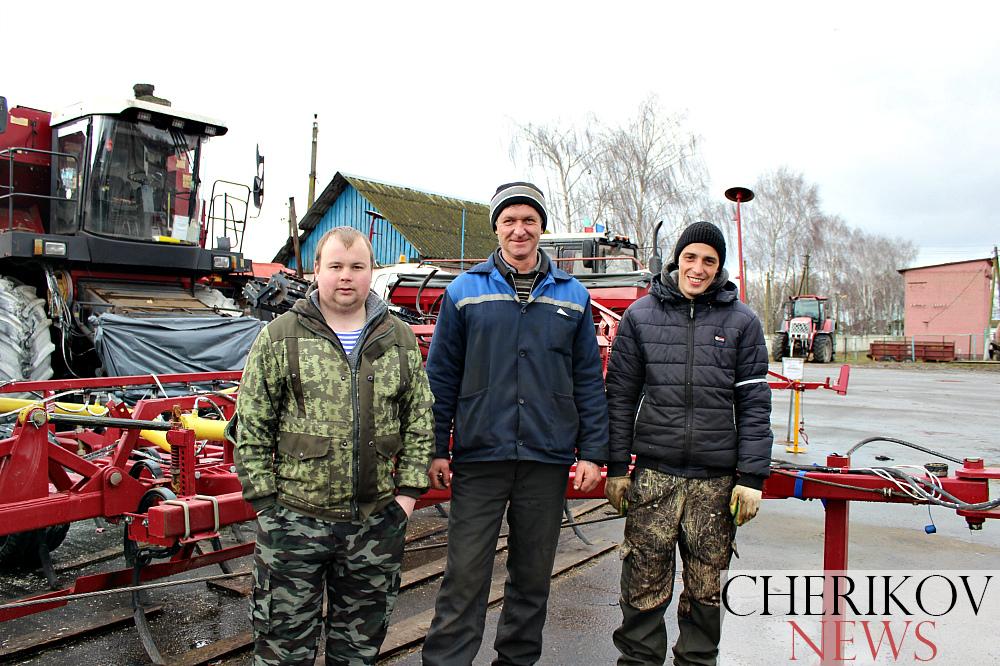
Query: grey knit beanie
x=510, y=194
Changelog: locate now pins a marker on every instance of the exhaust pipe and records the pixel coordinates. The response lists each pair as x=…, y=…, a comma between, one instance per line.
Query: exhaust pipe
x=655, y=260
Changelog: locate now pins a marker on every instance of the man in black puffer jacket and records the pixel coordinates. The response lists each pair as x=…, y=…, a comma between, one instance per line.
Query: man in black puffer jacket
x=688, y=395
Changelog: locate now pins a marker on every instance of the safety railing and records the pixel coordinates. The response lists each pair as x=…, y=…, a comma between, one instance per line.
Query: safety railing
x=230, y=204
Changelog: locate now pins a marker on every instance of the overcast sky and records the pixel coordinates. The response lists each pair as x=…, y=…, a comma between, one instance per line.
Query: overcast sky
x=891, y=108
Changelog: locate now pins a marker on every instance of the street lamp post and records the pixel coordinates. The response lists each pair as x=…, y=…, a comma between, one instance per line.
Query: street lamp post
x=739, y=195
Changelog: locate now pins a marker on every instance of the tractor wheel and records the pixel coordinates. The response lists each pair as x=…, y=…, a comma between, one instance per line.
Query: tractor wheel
x=25, y=342
x=21, y=549
x=779, y=347
x=822, y=349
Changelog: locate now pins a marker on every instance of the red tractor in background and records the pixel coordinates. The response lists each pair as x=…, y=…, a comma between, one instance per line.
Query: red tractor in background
x=110, y=263
x=806, y=331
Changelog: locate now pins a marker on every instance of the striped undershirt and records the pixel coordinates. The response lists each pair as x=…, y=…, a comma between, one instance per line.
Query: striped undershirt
x=349, y=339
x=523, y=282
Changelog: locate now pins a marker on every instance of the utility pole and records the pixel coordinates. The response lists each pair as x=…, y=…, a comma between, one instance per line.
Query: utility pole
x=293, y=232
x=993, y=284
x=804, y=282
x=312, y=171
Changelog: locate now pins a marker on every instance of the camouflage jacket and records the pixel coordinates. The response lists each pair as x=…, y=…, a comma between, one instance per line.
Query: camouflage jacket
x=330, y=435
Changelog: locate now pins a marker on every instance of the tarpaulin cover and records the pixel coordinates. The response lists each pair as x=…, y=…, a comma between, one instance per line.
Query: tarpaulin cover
x=137, y=346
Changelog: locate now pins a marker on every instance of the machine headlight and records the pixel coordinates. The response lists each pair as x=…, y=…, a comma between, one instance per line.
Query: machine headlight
x=48, y=248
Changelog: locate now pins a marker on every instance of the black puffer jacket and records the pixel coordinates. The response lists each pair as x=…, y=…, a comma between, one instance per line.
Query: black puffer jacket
x=687, y=385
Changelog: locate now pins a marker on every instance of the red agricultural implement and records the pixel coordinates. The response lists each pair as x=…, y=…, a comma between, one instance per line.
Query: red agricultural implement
x=162, y=466
x=70, y=461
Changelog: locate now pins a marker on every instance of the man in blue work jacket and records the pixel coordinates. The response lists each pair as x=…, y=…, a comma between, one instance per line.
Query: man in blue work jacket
x=515, y=371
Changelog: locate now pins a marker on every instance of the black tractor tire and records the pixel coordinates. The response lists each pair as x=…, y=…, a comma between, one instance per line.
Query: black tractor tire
x=995, y=352
x=779, y=347
x=822, y=349
x=20, y=550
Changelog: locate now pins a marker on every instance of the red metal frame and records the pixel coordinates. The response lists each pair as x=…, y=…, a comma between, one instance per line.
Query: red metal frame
x=45, y=482
x=638, y=265
x=969, y=483
x=51, y=387
x=839, y=387
x=122, y=577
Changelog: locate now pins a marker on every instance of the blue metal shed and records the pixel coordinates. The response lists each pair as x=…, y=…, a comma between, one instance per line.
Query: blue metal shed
x=404, y=224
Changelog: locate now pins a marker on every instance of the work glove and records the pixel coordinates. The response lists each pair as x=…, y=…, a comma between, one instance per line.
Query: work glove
x=743, y=504
x=615, y=488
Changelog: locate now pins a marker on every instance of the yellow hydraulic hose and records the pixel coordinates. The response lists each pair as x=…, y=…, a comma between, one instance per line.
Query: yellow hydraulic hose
x=211, y=429
x=10, y=405
x=203, y=429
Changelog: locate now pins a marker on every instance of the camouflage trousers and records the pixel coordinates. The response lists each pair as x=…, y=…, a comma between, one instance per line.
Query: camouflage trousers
x=297, y=557
x=664, y=512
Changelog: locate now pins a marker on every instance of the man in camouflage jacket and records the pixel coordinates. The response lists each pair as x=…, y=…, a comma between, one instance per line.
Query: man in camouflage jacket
x=333, y=445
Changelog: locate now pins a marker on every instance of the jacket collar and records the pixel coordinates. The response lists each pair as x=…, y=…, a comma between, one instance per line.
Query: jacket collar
x=664, y=287
x=542, y=263
x=312, y=318
x=494, y=262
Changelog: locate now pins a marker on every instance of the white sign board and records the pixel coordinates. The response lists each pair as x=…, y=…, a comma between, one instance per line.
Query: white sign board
x=792, y=368
x=181, y=223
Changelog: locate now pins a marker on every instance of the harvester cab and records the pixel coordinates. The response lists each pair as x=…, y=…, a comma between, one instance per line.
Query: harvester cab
x=806, y=331
x=590, y=253
x=100, y=217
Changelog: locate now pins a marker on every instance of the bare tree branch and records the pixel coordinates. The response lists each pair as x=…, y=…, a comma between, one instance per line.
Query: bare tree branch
x=563, y=155
x=625, y=178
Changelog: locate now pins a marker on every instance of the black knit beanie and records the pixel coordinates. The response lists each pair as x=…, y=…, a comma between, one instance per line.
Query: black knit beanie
x=702, y=232
x=510, y=194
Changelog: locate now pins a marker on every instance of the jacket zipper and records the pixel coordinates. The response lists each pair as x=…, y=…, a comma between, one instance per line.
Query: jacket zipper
x=337, y=344
x=356, y=471
x=688, y=388
x=637, y=410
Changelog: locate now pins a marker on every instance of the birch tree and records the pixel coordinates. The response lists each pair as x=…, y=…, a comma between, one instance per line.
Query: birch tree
x=564, y=155
x=650, y=170
x=625, y=177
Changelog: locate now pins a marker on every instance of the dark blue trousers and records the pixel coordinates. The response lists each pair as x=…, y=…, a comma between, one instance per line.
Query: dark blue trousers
x=532, y=494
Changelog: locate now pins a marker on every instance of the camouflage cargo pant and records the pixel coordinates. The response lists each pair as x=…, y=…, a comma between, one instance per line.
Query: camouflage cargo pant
x=357, y=563
x=665, y=511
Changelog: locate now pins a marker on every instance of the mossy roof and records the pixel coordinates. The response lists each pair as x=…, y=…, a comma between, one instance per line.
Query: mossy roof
x=432, y=223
